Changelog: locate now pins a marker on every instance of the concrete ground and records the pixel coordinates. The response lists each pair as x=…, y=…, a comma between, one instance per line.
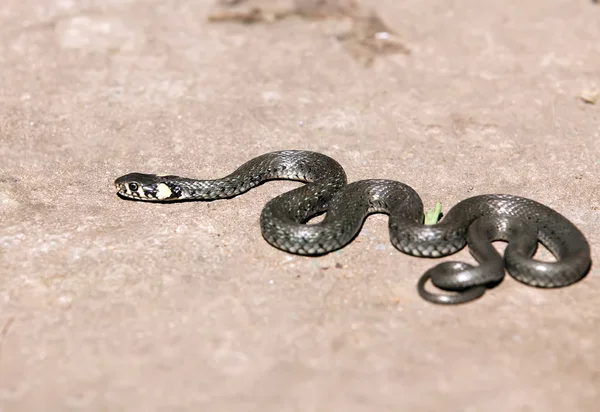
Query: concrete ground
x=108, y=305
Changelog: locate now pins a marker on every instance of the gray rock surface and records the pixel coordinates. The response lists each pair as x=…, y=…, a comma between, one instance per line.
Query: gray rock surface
x=108, y=305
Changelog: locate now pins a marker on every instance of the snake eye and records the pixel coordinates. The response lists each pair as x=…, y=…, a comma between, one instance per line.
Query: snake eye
x=133, y=187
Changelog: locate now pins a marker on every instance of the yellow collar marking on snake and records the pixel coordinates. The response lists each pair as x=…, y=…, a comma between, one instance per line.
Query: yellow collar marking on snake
x=163, y=191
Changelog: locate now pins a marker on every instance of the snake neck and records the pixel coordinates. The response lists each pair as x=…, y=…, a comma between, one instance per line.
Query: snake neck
x=227, y=187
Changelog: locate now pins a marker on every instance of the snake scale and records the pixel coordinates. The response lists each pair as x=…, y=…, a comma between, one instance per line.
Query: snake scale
x=476, y=221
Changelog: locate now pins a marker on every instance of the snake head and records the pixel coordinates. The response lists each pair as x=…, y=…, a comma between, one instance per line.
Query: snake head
x=154, y=188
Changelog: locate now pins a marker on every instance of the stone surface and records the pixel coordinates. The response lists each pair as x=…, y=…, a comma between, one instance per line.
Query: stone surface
x=114, y=305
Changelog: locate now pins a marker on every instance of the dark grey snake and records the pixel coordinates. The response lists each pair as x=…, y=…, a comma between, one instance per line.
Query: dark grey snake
x=477, y=221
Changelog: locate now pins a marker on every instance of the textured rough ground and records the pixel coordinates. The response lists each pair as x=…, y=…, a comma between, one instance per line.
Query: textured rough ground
x=114, y=305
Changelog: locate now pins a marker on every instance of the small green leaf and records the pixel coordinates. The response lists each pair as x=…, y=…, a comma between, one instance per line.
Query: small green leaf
x=432, y=216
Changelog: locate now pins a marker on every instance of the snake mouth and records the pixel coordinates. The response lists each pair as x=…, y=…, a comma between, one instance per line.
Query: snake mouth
x=132, y=190
x=143, y=193
x=125, y=193
x=132, y=196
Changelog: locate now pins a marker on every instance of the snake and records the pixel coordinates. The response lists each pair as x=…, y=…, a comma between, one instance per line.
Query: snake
x=477, y=222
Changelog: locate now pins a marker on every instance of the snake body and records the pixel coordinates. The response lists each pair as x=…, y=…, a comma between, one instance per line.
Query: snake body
x=477, y=220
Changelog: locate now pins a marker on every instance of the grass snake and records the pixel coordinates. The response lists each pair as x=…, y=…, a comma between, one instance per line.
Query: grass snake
x=476, y=221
